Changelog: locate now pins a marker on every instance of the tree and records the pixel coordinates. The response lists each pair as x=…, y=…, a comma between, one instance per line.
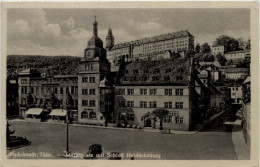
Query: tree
x=205, y=48
x=54, y=100
x=69, y=102
x=197, y=48
x=160, y=113
x=29, y=100
x=221, y=59
x=229, y=43
x=207, y=57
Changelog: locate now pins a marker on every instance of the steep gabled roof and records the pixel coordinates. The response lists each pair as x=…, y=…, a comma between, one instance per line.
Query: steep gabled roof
x=164, y=72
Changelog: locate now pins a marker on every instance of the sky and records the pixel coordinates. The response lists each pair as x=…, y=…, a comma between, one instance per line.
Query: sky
x=67, y=31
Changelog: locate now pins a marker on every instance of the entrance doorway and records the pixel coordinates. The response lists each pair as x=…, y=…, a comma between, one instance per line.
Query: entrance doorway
x=148, y=123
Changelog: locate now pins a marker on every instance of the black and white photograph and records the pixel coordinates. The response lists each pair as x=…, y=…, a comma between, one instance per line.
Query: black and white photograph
x=129, y=83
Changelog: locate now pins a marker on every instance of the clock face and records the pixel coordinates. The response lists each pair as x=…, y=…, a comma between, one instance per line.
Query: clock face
x=89, y=54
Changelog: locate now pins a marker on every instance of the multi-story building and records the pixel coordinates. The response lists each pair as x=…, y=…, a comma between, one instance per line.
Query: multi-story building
x=237, y=73
x=148, y=48
x=12, y=98
x=144, y=86
x=235, y=55
x=217, y=50
x=45, y=92
x=236, y=94
x=95, y=100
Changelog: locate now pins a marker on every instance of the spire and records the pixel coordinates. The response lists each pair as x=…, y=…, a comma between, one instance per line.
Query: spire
x=95, y=40
x=95, y=24
x=109, y=39
x=110, y=32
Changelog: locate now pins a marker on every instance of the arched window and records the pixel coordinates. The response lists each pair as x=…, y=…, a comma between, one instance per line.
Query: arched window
x=84, y=114
x=92, y=115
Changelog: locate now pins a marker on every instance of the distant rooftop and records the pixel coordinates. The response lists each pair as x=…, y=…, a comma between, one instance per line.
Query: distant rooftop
x=164, y=72
x=238, y=51
x=236, y=70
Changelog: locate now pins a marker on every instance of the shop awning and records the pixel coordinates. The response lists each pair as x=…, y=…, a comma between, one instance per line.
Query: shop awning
x=58, y=112
x=34, y=111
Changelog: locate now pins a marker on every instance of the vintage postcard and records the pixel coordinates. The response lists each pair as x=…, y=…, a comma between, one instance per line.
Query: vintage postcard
x=130, y=84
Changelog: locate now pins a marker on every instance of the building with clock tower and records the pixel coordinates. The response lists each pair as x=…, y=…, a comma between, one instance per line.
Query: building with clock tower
x=94, y=91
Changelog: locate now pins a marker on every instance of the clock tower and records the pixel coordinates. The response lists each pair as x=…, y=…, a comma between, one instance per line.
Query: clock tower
x=93, y=68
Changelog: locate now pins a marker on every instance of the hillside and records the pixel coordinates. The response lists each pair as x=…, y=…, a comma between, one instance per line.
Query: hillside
x=58, y=64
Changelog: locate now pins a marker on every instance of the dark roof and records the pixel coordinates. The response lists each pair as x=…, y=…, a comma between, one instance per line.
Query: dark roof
x=163, y=37
x=238, y=51
x=235, y=70
x=164, y=72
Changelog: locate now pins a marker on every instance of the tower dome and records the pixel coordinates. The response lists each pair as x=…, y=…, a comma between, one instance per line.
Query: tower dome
x=95, y=41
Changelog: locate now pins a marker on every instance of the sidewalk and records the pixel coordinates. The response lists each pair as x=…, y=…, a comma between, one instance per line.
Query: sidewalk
x=197, y=128
x=241, y=148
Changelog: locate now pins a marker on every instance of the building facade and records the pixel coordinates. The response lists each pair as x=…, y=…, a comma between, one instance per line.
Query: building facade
x=217, y=50
x=235, y=55
x=180, y=42
x=237, y=73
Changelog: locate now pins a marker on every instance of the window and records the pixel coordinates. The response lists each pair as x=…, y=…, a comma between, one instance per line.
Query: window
x=168, y=119
x=72, y=90
x=84, y=79
x=121, y=103
x=92, y=115
x=32, y=90
x=179, y=91
x=37, y=91
x=84, y=91
x=61, y=90
x=92, y=103
x=152, y=91
x=130, y=117
x=130, y=91
x=143, y=104
x=75, y=102
x=92, y=91
x=55, y=90
x=130, y=103
x=143, y=91
x=84, y=103
x=84, y=115
x=92, y=79
x=67, y=90
x=153, y=104
x=24, y=90
x=121, y=91
x=237, y=88
x=179, y=104
x=24, y=81
x=179, y=120
x=179, y=78
x=168, y=104
x=168, y=91
x=42, y=91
